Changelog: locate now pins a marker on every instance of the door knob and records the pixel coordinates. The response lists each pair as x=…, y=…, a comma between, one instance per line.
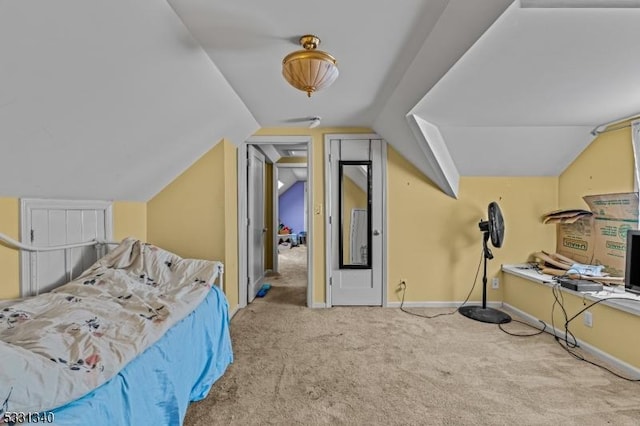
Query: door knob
x=376, y=232
x=264, y=229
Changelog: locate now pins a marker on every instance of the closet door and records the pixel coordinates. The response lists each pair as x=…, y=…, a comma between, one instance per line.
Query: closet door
x=355, y=232
x=256, y=230
x=48, y=223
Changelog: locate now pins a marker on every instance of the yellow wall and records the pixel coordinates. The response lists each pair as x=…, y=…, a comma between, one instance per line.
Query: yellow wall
x=434, y=240
x=614, y=331
x=317, y=137
x=605, y=166
x=438, y=262
x=195, y=216
x=129, y=220
x=185, y=216
x=230, y=258
x=9, y=258
x=292, y=160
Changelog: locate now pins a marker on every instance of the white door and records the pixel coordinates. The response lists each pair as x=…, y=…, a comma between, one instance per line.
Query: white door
x=50, y=223
x=256, y=230
x=356, y=189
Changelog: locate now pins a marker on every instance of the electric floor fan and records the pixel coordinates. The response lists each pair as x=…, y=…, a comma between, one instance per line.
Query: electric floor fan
x=493, y=229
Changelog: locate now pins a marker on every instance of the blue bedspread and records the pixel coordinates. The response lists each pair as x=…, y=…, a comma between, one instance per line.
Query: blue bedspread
x=157, y=386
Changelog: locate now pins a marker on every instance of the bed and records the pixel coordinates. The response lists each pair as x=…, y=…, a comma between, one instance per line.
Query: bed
x=131, y=341
x=292, y=239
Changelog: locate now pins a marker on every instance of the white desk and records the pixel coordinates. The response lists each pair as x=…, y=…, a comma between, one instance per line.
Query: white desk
x=632, y=306
x=613, y=332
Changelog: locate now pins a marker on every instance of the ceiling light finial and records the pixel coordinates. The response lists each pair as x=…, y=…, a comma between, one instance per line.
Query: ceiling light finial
x=309, y=70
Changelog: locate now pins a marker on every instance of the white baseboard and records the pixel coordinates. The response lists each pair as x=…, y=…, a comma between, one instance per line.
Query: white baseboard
x=234, y=311
x=317, y=305
x=440, y=304
x=621, y=365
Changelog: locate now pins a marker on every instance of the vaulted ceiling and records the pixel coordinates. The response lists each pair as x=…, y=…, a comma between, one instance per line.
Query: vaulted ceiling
x=112, y=100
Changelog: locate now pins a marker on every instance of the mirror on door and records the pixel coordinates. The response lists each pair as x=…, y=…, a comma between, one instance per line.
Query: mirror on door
x=355, y=214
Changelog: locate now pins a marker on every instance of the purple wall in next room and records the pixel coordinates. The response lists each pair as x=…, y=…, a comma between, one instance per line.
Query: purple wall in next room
x=291, y=207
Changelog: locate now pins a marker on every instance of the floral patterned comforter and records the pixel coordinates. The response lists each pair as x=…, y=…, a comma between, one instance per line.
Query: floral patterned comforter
x=58, y=346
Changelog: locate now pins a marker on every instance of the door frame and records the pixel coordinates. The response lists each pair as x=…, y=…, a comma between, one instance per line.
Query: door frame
x=328, y=210
x=28, y=204
x=242, y=210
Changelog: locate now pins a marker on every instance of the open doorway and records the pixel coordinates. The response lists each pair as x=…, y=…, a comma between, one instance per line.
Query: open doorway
x=290, y=208
x=274, y=205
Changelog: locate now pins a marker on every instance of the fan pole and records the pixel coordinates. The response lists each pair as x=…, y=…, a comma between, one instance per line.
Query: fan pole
x=487, y=255
x=483, y=313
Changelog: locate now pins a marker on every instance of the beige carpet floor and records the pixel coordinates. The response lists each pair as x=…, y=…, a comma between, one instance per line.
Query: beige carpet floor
x=379, y=366
x=292, y=267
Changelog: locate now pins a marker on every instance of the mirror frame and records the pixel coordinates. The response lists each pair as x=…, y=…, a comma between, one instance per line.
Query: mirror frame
x=341, y=164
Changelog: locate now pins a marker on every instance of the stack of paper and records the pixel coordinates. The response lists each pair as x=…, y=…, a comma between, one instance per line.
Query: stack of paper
x=565, y=216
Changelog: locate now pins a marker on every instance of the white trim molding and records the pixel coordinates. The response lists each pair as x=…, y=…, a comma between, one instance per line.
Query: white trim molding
x=436, y=304
x=234, y=311
x=444, y=171
x=242, y=208
x=327, y=222
x=385, y=227
x=621, y=365
x=328, y=209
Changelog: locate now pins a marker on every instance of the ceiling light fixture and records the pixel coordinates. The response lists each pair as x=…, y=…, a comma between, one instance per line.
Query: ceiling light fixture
x=309, y=70
x=314, y=122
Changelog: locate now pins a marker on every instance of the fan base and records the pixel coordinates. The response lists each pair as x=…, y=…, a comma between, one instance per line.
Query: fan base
x=489, y=315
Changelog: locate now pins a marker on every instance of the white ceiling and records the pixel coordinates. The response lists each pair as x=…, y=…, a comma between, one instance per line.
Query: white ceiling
x=525, y=97
x=105, y=100
x=373, y=42
x=291, y=150
x=289, y=176
x=112, y=100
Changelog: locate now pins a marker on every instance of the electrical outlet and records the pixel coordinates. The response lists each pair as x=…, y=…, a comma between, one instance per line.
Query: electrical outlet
x=588, y=319
x=495, y=283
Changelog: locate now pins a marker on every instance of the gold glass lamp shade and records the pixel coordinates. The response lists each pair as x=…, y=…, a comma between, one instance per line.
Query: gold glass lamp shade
x=309, y=70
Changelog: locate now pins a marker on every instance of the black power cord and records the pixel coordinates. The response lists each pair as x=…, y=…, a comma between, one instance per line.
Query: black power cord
x=558, y=297
x=403, y=285
x=540, y=331
x=571, y=345
x=569, y=341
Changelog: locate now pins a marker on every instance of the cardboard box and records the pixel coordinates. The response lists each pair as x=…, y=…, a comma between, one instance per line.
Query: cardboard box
x=575, y=240
x=601, y=239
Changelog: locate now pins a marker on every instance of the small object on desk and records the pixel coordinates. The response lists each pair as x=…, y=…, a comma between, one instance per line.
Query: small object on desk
x=591, y=270
x=615, y=289
x=553, y=271
x=580, y=285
